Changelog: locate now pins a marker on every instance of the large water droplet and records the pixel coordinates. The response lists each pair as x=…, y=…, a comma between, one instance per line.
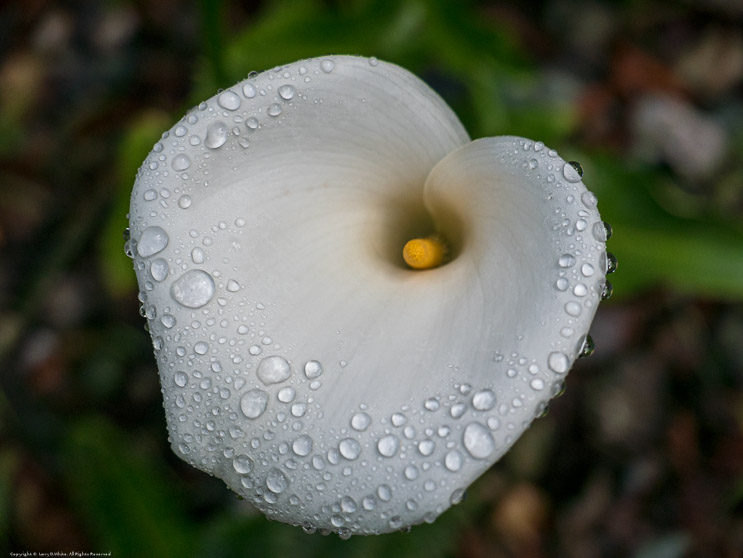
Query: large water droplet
x=180, y=378
x=159, y=269
x=253, y=403
x=274, y=109
x=572, y=171
x=274, y=370
x=228, y=100
x=216, y=135
x=566, y=260
x=152, y=241
x=388, y=445
x=327, y=66
x=249, y=90
x=193, y=289
x=478, y=441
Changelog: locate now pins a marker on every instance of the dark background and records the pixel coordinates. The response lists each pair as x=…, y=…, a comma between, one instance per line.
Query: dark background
x=643, y=455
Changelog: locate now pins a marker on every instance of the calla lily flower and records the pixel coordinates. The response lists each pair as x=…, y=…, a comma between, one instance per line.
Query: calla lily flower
x=302, y=360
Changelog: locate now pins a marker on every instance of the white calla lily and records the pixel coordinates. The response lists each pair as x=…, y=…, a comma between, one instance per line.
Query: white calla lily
x=301, y=360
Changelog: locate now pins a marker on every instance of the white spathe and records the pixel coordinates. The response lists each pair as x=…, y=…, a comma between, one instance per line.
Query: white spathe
x=300, y=361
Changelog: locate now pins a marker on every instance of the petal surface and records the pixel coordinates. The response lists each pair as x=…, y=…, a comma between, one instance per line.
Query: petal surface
x=301, y=362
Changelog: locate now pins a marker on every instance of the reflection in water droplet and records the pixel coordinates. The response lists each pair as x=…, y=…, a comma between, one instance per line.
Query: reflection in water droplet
x=193, y=289
x=253, y=403
x=572, y=171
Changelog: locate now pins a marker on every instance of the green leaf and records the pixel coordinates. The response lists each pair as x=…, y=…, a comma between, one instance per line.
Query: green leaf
x=123, y=494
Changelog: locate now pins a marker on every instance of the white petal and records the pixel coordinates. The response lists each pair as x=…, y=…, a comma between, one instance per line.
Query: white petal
x=300, y=361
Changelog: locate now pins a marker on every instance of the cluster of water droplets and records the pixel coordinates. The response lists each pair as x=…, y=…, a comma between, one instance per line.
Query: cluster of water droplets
x=242, y=406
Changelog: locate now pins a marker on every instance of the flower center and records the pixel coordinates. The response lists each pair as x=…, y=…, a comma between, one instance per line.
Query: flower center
x=424, y=253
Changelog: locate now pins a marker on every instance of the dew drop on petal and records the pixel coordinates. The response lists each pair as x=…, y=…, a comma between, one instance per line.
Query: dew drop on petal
x=180, y=162
x=253, y=403
x=274, y=109
x=478, y=441
x=360, y=421
x=180, y=378
x=587, y=269
x=216, y=135
x=426, y=447
x=589, y=199
x=312, y=369
x=388, y=445
x=327, y=65
x=193, y=289
x=571, y=173
x=349, y=448
x=558, y=362
x=274, y=370
x=573, y=308
x=184, y=202
x=302, y=446
x=152, y=241
x=228, y=100
x=384, y=492
x=276, y=481
x=159, y=269
x=483, y=400
x=249, y=90
x=453, y=461
x=286, y=395
x=566, y=260
x=242, y=464
x=286, y=92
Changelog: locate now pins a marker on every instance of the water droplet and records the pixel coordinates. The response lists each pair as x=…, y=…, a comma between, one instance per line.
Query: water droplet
x=181, y=162
x=533, y=163
x=228, y=100
x=580, y=290
x=242, y=464
x=360, y=421
x=411, y=472
x=586, y=269
x=587, y=347
x=274, y=109
x=431, y=404
x=286, y=92
x=558, y=362
x=384, y=492
x=312, y=369
x=589, y=199
x=168, y=320
x=249, y=90
x=252, y=123
x=193, y=289
x=478, y=441
x=572, y=171
x=348, y=504
x=216, y=135
x=573, y=308
x=398, y=419
x=373, y=61
x=483, y=400
x=538, y=146
x=566, y=260
x=457, y=410
x=180, y=378
x=286, y=395
x=601, y=231
x=184, y=202
x=369, y=503
x=159, y=269
x=201, y=348
x=388, y=445
x=253, y=403
x=611, y=263
x=349, y=448
x=274, y=370
x=453, y=461
x=537, y=384
x=302, y=446
x=607, y=290
x=276, y=481
x=426, y=447
x=233, y=286
x=327, y=65
x=152, y=241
